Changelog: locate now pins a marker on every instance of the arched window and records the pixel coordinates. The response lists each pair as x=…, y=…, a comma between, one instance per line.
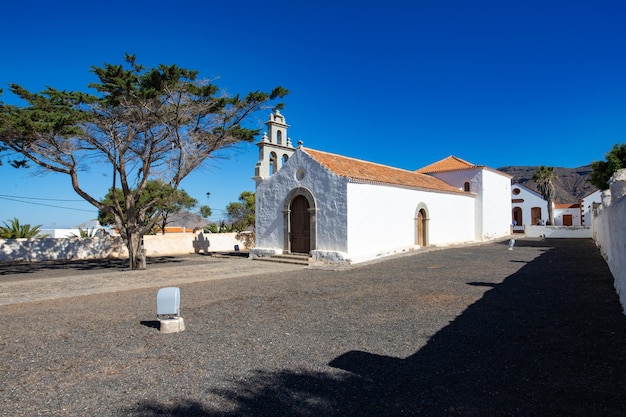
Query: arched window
x=285, y=158
x=279, y=137
x=517, y=216
x=466, y=186
x=273, y=163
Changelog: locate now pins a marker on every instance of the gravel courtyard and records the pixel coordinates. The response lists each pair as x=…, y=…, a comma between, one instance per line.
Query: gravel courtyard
x=467, y=331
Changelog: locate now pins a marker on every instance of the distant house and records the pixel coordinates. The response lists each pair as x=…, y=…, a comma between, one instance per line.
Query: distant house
x=184, y=222
x=586, y=207
x=90, y=226
x=340, y=209
x=530, y=208
x=567, y=214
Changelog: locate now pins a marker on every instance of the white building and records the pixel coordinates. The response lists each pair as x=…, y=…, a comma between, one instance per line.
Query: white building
x=340, y=209
x=586, y=207
x=489, y=185
x=530, y=208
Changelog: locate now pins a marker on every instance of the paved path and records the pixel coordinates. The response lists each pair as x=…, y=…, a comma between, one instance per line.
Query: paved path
x=54, y=280
x=469, y=331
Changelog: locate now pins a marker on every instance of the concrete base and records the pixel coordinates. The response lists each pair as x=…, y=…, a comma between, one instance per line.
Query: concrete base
x=172, y=325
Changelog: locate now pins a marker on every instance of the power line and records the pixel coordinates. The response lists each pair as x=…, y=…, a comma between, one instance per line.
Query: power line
x=47, y=205
x=37, y=198
x=219, y=213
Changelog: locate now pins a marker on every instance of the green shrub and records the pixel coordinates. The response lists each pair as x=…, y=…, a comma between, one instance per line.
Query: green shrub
x=15, y=230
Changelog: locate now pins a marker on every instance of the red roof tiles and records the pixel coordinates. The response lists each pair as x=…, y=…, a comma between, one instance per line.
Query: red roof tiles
x=451, y=163
x=356, y=169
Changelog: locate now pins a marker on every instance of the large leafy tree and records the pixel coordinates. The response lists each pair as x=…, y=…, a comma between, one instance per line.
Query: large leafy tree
x=544, y=177
x=601, y=171
x=241, y=212
x=142, y=123
x=162, y=199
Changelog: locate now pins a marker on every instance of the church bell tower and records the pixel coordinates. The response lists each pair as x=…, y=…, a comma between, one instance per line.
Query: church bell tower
x=275, y=148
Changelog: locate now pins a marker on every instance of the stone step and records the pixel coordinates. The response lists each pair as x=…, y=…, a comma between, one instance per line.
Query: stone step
x=287, y=258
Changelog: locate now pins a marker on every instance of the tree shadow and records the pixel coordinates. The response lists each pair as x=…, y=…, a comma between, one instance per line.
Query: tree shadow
x=120, y=264
x=550, y=340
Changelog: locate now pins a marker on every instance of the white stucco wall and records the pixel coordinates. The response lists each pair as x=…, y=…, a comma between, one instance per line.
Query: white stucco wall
x=564, y=232
x=61, y=249
x=496, y=205
x=560, y=212
x=349, y=214
x=381, y=219
x=531, y=199
x=492, y=203
x=458, y=179
x=586, y=205
x=609, y=231
x=329, y=192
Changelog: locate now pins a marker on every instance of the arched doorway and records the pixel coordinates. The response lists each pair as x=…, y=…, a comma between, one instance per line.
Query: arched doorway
x=300, y=225
x=517, y=216
x=300, y=221
x=421, y=226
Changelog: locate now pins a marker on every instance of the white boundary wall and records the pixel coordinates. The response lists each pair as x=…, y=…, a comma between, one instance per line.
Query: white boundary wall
x=60, y=249
x=566, y=232
x=609, y=230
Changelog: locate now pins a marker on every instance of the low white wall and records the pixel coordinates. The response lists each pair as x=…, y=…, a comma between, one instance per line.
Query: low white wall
x=609, y=230
x=184, y=243
x=57, y=249
x=558, y=231
x=54, y=249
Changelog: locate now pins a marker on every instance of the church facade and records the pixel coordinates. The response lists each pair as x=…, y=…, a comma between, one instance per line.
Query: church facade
x=339, y=209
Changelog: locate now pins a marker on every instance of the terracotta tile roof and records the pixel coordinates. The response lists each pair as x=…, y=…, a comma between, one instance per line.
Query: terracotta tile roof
x=356, y=169
x=451, y=163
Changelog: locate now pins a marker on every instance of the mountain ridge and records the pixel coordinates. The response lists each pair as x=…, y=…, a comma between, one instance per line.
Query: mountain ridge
x=570, y=186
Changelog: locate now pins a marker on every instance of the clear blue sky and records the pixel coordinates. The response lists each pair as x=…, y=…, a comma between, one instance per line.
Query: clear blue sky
x=403, y=83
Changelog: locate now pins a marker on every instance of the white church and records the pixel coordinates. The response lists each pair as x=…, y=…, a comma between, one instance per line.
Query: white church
x=338, y=209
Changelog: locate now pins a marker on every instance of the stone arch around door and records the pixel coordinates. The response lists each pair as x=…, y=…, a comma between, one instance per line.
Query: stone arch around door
x=299, y=221
x=421, y=225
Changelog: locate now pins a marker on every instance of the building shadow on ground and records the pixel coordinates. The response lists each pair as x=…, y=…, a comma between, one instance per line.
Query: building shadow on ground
x=550, y=340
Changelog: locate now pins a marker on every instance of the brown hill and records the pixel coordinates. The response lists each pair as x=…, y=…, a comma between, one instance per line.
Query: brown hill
x=571, y=184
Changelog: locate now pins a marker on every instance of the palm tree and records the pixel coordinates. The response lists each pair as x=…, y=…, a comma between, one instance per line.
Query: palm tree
x=15, y=230
x=543, y=176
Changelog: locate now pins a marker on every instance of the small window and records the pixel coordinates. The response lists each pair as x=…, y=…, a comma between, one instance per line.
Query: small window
x=466, y=186
x=279, y=137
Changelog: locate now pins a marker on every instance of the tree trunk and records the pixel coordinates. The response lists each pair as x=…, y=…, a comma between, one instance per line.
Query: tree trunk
x=136, y=253
x=550, y=212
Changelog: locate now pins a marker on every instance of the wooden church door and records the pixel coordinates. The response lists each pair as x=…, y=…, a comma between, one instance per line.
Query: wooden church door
x=300, y=225
x=421, y=228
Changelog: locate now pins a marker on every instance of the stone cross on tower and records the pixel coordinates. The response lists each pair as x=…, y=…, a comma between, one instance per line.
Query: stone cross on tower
x=275, y=147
